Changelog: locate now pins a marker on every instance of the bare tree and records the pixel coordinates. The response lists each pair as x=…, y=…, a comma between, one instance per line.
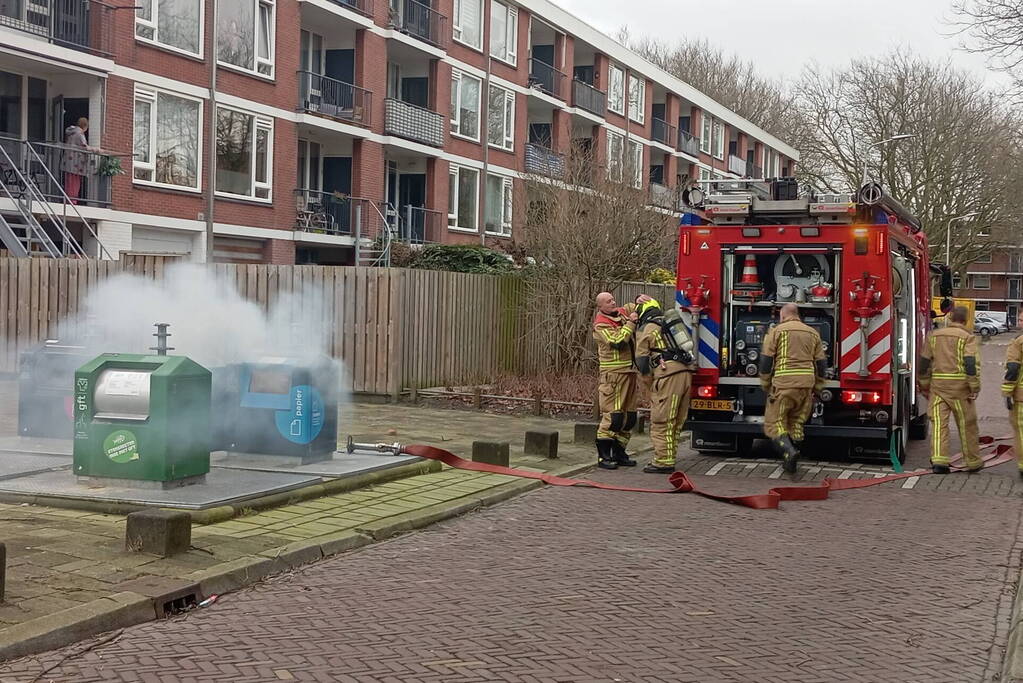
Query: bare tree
x=997, y=30
x=585, y=232
x=730, y=80
x=963, y=159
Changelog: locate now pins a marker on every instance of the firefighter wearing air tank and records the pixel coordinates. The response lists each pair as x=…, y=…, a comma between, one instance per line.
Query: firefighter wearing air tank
x=949, y=375
x=614, y=329
x=664, y=353
x=1012, y=390
x=792, y=367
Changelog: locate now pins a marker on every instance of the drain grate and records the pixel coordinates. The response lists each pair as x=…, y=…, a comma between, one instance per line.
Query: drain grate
x=179, y=605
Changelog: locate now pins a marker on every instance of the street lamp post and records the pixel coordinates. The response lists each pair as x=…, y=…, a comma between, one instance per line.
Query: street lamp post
x=866, y=162
x=948, y=234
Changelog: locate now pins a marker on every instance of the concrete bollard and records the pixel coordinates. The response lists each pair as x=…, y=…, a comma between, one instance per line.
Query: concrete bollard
x=158, y=532
x=491, y=452
x=542, y=442
x=3, y=570
x=477, y=398
x=585, y=432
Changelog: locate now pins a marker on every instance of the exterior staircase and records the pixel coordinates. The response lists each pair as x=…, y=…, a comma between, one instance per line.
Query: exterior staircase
x=373, y=231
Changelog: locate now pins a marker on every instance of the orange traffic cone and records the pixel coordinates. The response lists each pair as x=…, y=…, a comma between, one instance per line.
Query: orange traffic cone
x=749, y=286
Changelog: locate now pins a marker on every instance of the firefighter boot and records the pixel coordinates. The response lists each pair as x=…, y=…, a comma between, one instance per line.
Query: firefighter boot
x=788, y=452
x=941, y=469
x=621, y=458
x=605, y=454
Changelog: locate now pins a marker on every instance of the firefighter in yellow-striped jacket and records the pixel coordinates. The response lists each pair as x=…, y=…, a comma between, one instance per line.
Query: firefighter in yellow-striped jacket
x=792, y=365
x=1012, y=390
x=614, y=330
x=950, y=376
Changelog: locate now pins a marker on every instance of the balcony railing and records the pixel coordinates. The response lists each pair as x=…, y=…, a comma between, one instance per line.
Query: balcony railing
x=343, y=101
x=585, y=96
x=77, y=24
x=754, y=171
x=543, y=161
x=546, y=78
x=736, y=165
x=688, y=143
x=360, y=6
x=419, y=225
x=419, y=21
x=662, y=131
x=664, y=196
x=325, y=213
x=48, y=169
x=413, y=122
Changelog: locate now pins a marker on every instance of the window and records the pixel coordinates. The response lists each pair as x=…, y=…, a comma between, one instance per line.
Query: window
x=177, y=24
x=311, y=52
x=986, y=258
x=308, y=165
x=463, y=198
x=615, y=156
x=637, y=99
x=708, y=126
x=504, y=32
x=980, y=281
x=704, y=174
x=719, y=140
x=636, y=163
x=771, y=160
x=245, y=34
x=244, y=154
x=468, y=24
x=501, y=114
x=499, y=205
x=1016, y=263
x=167, y=139
x=616, y=89
x=465, y=105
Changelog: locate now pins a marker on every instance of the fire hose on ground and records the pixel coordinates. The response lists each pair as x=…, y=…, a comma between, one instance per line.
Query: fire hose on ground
x=680, y=481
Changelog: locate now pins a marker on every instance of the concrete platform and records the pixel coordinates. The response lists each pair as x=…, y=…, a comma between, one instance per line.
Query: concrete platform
x=35, y=445
x=341, y=465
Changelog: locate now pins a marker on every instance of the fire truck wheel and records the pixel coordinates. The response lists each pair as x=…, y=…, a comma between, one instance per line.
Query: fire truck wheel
x=918, y=428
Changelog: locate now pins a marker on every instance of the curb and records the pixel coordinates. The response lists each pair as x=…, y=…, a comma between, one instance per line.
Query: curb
x=122, y=610
x=1012, y=664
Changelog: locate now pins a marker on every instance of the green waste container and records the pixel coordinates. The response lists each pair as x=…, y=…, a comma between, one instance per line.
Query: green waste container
x=140, y=417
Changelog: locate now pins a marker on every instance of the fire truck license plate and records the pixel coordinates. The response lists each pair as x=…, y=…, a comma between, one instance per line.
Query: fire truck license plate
x=708, y=404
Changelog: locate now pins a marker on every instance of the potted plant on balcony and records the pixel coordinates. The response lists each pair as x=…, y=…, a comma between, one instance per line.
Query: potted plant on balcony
x=109, y=166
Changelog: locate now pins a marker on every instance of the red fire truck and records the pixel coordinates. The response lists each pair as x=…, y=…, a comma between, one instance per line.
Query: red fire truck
x=857, y=267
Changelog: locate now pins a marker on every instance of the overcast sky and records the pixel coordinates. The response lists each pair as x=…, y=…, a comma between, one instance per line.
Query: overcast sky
x=783, y=36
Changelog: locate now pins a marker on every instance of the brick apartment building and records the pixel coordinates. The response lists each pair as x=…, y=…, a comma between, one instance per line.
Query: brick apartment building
x=995, y=283
x=334, y=120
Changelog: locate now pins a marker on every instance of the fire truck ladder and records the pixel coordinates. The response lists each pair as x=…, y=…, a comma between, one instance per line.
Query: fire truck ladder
x=747, y=202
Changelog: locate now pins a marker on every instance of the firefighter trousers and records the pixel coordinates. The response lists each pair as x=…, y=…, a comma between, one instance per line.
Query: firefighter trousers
x=617, y=398
x=669, y=406
x=1017, y=430
x=964, y=411
x=787, y=411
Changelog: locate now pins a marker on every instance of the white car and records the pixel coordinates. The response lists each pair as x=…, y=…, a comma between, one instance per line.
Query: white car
x=988, y=326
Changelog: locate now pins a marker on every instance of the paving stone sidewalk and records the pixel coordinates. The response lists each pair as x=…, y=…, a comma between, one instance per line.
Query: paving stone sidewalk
x=60, y=559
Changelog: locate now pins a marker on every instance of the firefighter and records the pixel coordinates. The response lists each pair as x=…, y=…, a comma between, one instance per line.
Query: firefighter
x=949, y=376
x=614, y=330
x=1012, y=389
x=792, y=366
x=664, y=354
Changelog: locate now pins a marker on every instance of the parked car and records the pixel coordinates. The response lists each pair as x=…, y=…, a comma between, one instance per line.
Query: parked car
x=988, y=327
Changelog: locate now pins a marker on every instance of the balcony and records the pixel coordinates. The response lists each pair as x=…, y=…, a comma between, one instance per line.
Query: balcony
x=688, y=143
x=585, y=96
x=754, y=171
x=46, y=165
x=546, y=78
x=413, y=122
x=419, y=225
x=361, y=6
x=324, y=213
x=336, y=99
x=664, y=196
x=543, y=161
x=662, y=132
x=419, y=21
x=736, y=165
x=78, y=24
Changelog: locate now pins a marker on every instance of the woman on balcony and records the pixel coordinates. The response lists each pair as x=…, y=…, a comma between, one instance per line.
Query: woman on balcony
x=76, y=164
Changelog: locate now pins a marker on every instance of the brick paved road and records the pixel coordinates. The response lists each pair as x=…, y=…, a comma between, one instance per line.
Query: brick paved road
x=884, y=584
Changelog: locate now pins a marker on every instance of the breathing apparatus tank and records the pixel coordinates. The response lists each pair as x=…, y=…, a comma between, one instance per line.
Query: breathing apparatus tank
x=677, y=336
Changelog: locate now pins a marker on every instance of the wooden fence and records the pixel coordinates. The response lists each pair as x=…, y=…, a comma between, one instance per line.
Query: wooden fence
x=392, y=328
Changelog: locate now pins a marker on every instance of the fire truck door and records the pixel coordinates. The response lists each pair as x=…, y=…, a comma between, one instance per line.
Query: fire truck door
x=903, y=366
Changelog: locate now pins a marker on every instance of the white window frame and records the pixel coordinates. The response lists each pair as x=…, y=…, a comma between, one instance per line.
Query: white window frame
x=637, y=100
x=268, y=62
x=975, y=285
x=454, y=171
x=719, y=140
x=260, y=122
x=986, y=258
x=706, y=132
x=635, y=152
x=507, y=202
x=457, y=30
x=152, y=95
x=153, y=24
x=511, y=31
x=456, y=113
x=507, y=113
x=612, y=71
x=704, y=175
x=615, y=160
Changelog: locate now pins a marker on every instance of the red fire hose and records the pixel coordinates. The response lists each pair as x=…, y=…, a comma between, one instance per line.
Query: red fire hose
x=681, y=483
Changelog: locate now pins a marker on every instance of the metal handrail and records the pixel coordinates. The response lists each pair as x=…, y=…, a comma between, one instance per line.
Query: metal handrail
x=688, y=143
x=432, y=31
x=550, y=84
x=588, y=97
x=342, y=97
x=25, y=209
x=360, y=6
x=77, y=25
